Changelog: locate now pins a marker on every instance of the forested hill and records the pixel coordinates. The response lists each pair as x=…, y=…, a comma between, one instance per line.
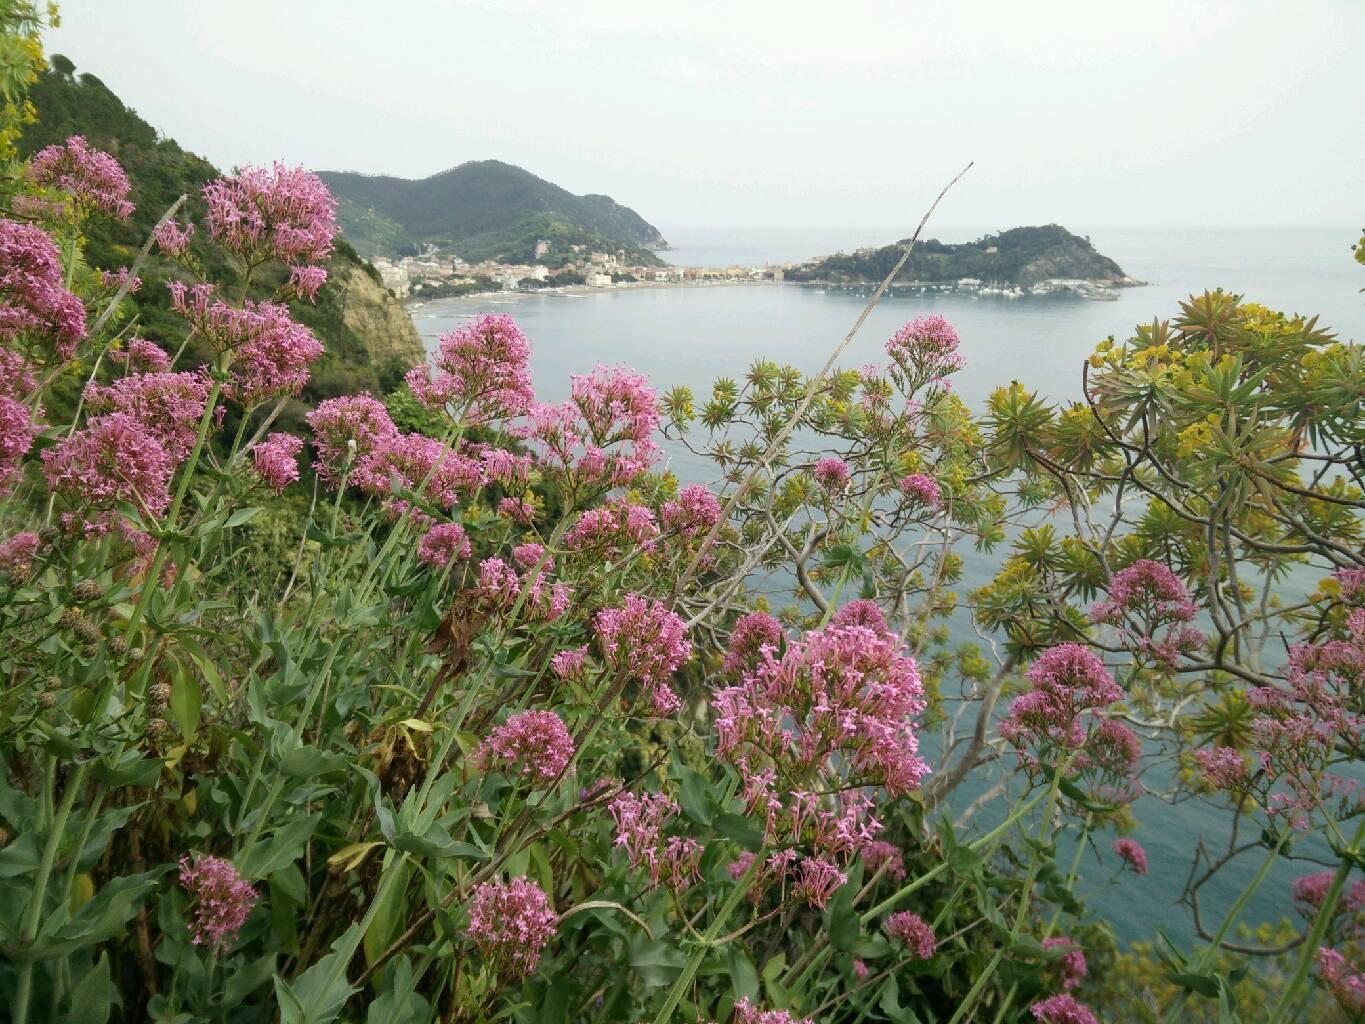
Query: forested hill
x=1021, y=256
x=483, y=209
x=370, y=339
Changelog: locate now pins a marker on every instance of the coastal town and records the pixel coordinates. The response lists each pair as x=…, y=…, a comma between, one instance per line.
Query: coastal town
x=435, y=274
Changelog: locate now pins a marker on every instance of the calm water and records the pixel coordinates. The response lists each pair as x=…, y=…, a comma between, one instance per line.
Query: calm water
x=692, y=335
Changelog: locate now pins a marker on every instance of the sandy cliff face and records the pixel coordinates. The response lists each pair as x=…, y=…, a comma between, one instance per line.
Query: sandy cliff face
x=377, y=318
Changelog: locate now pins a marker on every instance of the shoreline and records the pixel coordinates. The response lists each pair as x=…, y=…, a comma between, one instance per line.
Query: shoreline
x=411, y=303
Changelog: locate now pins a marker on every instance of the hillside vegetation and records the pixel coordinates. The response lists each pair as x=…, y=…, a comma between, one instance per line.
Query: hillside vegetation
x=160, y=171
x=1020, y=256
x=483, y=209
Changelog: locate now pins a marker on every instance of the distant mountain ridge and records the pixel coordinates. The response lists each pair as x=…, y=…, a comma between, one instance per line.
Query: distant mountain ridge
x=1020, y=257
x=483, y=209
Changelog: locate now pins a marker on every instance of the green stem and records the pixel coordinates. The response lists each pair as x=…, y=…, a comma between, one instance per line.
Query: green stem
x=28, y=930
x=1320, y=923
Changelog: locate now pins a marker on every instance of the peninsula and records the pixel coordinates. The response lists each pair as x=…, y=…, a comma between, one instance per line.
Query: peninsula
x=1025, y=260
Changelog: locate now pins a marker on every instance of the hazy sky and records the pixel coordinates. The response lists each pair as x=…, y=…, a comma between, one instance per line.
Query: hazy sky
x=778, y=114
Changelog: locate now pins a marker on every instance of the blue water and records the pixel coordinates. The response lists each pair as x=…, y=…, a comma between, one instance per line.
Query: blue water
x=689, y=336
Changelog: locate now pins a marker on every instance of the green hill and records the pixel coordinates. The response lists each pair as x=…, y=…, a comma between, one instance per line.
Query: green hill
x=484, y=209
x=370, y=340
x=1020, y=256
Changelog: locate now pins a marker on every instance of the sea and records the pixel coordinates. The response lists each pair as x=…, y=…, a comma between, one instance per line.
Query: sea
x=691, y=335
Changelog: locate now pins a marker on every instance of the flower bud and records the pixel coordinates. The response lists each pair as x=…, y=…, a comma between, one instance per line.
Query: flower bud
x=17, y=574
x=70, y=616
x=118, y=647
x=156, y=728
x=47, y=700
x=48, y=534
x=54, y=682
x=136, y=654
x=158, y=696
x=88, y=590
x=89, y=651
x=86, y=631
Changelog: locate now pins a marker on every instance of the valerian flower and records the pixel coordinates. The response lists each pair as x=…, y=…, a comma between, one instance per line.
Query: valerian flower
x=221, y=900
x=511, y=923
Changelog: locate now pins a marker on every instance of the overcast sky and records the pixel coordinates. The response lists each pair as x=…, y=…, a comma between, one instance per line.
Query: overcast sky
x=794, y=113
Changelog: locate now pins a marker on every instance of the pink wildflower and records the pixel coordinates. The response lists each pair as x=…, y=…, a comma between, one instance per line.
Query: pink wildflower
x=275, y=213
x=34, y=301
x=168, y=405
x=879, y=853
x=115, y=280
x=415, y=462
x=347, y=428
x=747, y=1013
x=1062, y=1009
x=640, y=825
x=680, y=863
x=1224, y=767
x=19, y=551
x=16, y=375
x=752, y=633
x=694, y=513
x=482, y=368
x=817, y=880
x=831, y=474
x=511, y=923
x=862, y=613
x=90, y=176
x=305, y=281
x=1310, y=892
x=570, y=664
x=171, y=238
x=859, y=969
x=924, y=352
x=532, y=744
x=602, y=436
x=923, y=488
x=1345, y=979
x=276, y=460
x=221, y=900
x=114, y=458
x=648, y=642
x=142, y=356
x=16, y=438
x=444, y=543
x=913, y=931
x=1149, y=591
x=843, y=689
x=1352, y=583
x=611, y=529
x=517, y=510
x=504, y=467
x=1074, y=967
x=1067, y=681
x=1130, y=851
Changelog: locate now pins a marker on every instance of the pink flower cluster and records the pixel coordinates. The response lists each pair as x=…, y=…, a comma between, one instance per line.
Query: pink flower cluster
x=1130, y=851
x=603, y=435
x=34, y=301
x=532, y=744
x=273, y=213
x=141, y=356
x=1223, y=768
x=511, y=923
x=171, y=238
x=1074, y=968
x=90, y=176
x=752, y=633
x=19, y=551
x=17, y=431
x=884, y=857
x=570, y=664
x=1310, y=892
x=271, y=351
x=500, y=585
x=16, y=375
x=1069, y=683
x=831, y=474
x=167, y=405
x=1344, y=978
x=418, y=464
x=846, y=690
x=913, y=932
x=923, y=488
x=444, y=543
x=640, y=823
x=1144, y=599
x=347, y=429
x=816, y=881
x=612, y=529
x=276, y=460
x=482, y=369
x=1062, y=1009
x=747, y=1013
x=114, y=458
x=693, y=514
x=646, y=641
x=924, y=351
x=221, y=900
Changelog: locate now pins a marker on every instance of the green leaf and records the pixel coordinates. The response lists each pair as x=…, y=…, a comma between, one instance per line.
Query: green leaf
x=242, y=981
x=743, y=976
x=693, y=794
x=654, y=961
x=841, y=920
x=740, y=829
x=103, y=917
x=320, y=992
x=242, y=515
x=284, y=847
x=309, y=762
x=94, y=996
x=187, y=700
